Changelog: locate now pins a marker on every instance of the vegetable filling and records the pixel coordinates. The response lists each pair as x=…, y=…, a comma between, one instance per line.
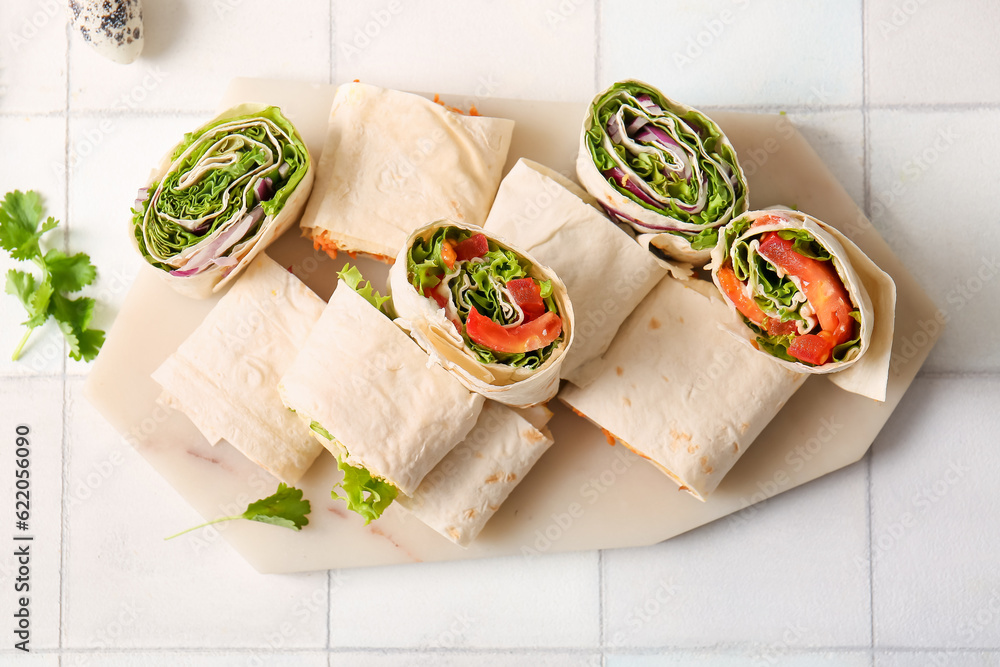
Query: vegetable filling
x=675, y=163
x=786, y=287
x=504, y=315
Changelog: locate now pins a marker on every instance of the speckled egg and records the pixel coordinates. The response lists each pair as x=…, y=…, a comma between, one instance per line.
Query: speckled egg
x=112, y=27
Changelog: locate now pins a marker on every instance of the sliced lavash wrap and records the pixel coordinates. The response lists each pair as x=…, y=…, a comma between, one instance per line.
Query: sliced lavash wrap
x=369, y=394
x=394, y=161
x=860, y=364
x=224, y=376
x=220, y=197
x=679, y=390
x=517, y=380
x=468, y=486
x=605, y=271
x=662, y=167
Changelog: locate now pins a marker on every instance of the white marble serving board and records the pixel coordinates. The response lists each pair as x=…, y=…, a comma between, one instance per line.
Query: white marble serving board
x=583, y=494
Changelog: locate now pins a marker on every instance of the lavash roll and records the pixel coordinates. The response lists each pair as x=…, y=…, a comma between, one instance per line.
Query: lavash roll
x=607, y=274
x=393, y=161
x=221, y=196
x=430, y=327
x=662, y=167
x=864, y=368
x=363, y=380
x=470, y=484
x=680, y=391
x=224, y=376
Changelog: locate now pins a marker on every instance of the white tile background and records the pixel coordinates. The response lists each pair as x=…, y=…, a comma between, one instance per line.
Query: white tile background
x=892, y=562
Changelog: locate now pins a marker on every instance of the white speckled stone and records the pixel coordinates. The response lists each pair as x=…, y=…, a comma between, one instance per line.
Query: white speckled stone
x=112, y=27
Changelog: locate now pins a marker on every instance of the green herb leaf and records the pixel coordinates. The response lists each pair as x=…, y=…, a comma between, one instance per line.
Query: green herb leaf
x=20, y=213
x=285, y=507
x=69, y=273
x=22, y=285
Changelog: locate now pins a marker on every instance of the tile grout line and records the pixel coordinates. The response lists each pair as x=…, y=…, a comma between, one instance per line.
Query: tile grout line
x=333, y=33
x=601, y=630
x=597, y=46
x=866, y=170
x=735, y=107
x=329, y=609
x=67, y=33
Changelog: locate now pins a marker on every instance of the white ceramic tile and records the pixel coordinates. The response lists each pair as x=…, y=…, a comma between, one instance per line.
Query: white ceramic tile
x=19, y=659
x=33, y=56
x=736, y=52
x=39, y=147
x=928, y=174
x=781, y=575
x=110, y=159
x=509, y=602
x=935, y=502
x=522, y=49
x=463, y=659
x=937, y=659
x=923, y=52
x=838, y=138
x=195, y=659
x=193, y=48
x=756, y=658
x=36, y=403
x=128, y=588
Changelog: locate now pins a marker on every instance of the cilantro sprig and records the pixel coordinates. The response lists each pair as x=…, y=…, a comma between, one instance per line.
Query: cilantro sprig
x=285, y=507
x=62, y=274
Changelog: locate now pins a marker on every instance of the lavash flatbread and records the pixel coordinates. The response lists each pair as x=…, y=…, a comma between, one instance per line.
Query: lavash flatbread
x=362, y=379
x=395, y=161
x=670, y=188
x=240, y=250
x=468, y=486
x=873, y=292
x=224, y=376
x=678, y=390
x=605, y=271
x=430, y=327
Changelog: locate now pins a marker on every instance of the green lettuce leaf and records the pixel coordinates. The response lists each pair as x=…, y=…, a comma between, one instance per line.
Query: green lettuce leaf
x=426, y=268
x=208, y=195
x=691, y=129
x=352, y=277
x=364, y=494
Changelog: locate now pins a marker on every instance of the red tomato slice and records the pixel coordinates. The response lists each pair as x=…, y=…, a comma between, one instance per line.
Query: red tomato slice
x=820, y=282
x=525, y=338
x=474, y=246
x=434, y=293
x=779, y=328
x=766, y=220
x=812, y=348
x=528, y=295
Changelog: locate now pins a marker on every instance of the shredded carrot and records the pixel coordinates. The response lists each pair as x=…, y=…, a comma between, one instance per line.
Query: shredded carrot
x=472, y=111
x=322, y=241
x=357, y=81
